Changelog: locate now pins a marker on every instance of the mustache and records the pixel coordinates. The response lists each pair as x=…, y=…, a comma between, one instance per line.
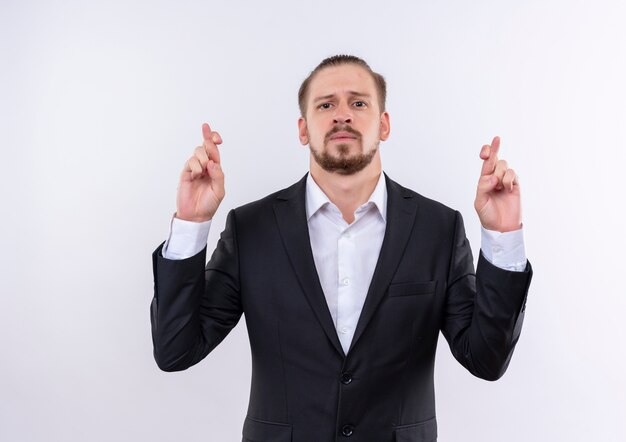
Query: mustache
x=336, y=129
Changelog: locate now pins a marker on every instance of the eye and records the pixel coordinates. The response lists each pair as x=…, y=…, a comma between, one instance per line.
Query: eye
x=360, y=103
x=324, y=106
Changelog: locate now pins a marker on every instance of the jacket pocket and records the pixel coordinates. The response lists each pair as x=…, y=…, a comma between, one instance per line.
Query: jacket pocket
x=255, y=430
x=425, y=431
x=412, y=288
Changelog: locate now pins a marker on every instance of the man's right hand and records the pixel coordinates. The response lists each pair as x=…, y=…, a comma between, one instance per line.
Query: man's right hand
x=201, y=186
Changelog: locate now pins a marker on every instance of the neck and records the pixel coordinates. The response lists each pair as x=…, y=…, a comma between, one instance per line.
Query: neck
x=348, y=192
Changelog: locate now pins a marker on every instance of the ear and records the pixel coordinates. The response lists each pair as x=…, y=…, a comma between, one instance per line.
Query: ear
x=302, y=131
x=385, y=126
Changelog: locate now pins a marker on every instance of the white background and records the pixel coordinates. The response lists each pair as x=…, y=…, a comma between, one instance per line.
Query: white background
x=101, y=104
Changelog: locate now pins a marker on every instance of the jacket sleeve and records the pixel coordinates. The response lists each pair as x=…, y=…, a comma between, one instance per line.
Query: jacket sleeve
x=484, y=311
x=195, y=306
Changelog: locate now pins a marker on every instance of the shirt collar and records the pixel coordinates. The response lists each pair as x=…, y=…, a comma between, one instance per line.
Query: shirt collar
x=316, y=198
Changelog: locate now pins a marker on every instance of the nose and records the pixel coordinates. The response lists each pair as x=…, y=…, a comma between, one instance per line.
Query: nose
x=343, y=114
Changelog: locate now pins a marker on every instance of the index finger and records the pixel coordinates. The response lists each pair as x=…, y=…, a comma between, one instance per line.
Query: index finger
x=489, y=165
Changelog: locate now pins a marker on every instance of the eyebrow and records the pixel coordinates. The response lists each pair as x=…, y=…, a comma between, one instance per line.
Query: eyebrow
x=351, y=93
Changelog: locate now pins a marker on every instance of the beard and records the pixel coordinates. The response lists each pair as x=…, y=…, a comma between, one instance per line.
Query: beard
x=344, y=163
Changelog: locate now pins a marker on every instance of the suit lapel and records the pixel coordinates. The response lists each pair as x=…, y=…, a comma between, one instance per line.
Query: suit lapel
x=290, y=214
x=401, y=212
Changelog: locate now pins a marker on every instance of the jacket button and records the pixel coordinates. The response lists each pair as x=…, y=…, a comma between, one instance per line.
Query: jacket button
x=347, y=430
x=346, y=378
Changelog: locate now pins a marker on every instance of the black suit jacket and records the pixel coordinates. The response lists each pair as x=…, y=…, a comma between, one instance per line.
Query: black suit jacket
x=304, y=388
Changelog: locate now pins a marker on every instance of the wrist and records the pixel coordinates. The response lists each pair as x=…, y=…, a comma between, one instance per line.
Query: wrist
x=193, y=219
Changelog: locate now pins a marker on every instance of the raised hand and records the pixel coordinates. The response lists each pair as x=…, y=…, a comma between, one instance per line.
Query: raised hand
x=497, y=201
x=201, y=186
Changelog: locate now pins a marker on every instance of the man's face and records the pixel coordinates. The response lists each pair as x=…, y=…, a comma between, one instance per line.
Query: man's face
x=343, y=124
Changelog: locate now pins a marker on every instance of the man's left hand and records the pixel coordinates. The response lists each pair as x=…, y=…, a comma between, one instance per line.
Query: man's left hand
x=498, y=194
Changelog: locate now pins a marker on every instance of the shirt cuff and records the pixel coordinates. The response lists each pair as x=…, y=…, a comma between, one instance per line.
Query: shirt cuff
x=186, y=238
x=504, y=249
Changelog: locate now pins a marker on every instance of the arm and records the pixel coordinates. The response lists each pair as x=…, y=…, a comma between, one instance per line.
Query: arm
x=484, y=311
x=195, y=307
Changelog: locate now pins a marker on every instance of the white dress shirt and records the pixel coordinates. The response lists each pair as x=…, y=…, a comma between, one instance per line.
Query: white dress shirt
x=345, y=254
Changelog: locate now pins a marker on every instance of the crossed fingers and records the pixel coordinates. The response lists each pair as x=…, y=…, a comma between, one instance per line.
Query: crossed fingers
x=506, y=178
x=205, y=155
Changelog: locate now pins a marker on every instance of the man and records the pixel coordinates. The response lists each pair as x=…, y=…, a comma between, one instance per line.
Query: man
x=345, y=277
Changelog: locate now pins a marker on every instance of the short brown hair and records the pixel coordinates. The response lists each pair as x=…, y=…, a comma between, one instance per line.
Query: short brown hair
x=338, y=60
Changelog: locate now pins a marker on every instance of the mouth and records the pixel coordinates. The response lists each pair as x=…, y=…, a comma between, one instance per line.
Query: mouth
x=342, y=136
x=343, y=139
